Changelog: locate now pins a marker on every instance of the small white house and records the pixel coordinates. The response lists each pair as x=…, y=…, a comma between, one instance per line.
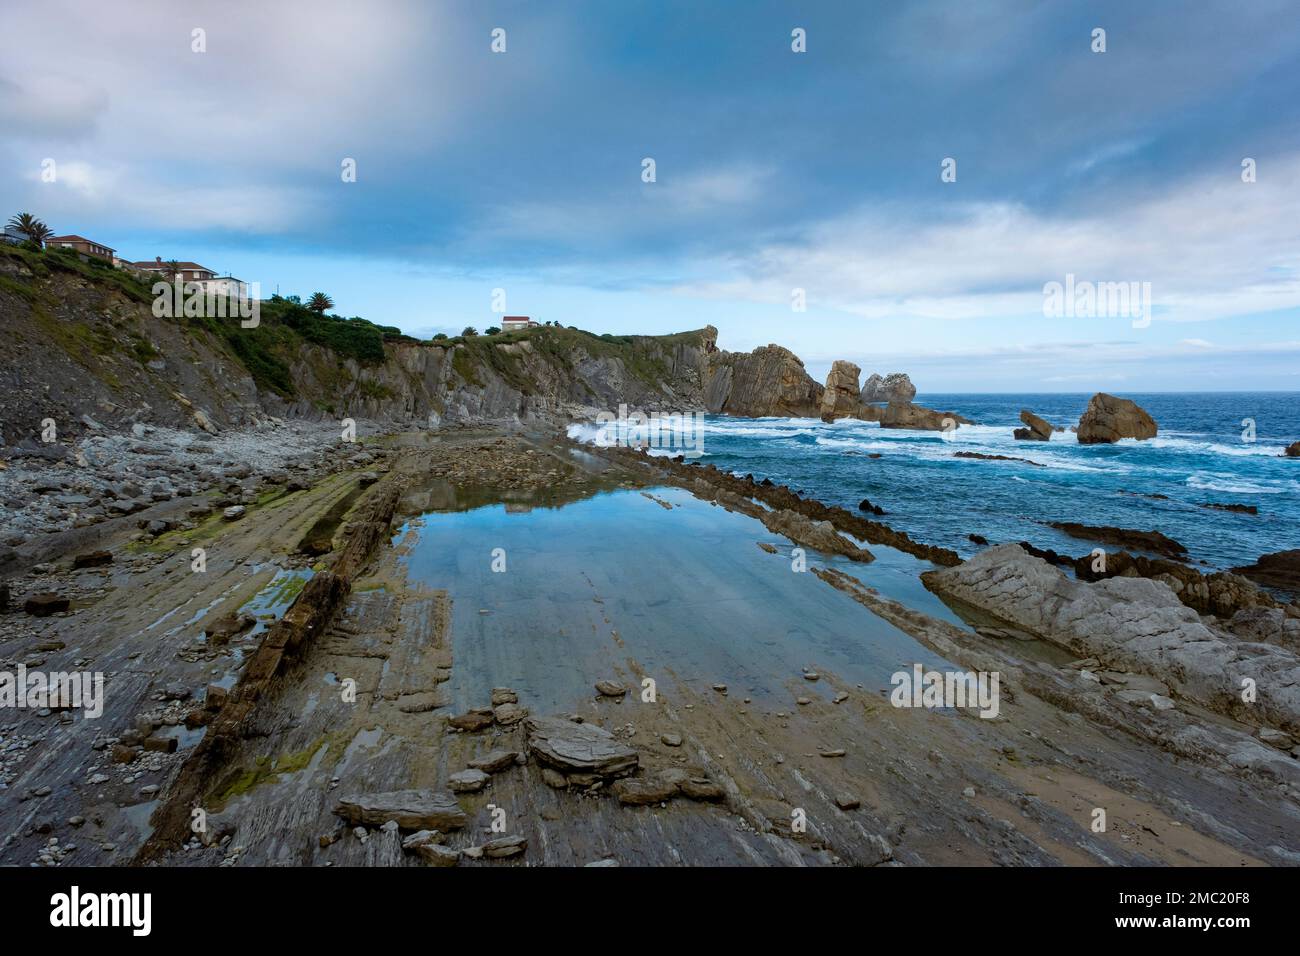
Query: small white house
x=510, y=323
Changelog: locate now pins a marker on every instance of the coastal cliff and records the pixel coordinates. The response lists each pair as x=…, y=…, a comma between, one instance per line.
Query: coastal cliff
x=84, y=348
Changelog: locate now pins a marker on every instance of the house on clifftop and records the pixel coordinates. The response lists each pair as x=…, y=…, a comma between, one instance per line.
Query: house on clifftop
x=82, y=245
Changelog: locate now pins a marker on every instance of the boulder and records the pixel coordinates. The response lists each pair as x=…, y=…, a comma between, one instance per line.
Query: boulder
x=1038, y=429
x=1220, y=593
x=907, y=415
x=1280, y=570
x=1134, y=625
x=1292, y=450
x=570, y=747
x=1107, y=419
x=92, y=559
x=412, y=809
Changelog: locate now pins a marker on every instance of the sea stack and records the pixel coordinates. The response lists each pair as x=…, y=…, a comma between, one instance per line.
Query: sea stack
x=894, y=387
x=1039, y=429
x=841, y=398
x=1107, y=419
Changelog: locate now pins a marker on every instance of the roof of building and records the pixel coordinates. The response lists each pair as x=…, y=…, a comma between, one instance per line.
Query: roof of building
x=186, y=266
x=79, y=239
x=515, y=318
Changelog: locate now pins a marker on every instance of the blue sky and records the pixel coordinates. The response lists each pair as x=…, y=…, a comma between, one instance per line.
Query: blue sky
x=775, y=170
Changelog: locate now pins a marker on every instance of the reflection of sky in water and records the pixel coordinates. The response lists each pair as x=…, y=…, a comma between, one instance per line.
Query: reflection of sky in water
x=687, y=590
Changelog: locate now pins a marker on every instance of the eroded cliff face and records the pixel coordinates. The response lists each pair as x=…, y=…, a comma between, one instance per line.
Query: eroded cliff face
x=769, y=381
x=82, y=347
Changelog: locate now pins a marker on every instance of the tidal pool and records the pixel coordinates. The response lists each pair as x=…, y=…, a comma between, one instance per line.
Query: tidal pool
x=684, y=591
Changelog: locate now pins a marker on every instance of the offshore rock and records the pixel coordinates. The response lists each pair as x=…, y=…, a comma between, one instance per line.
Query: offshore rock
x=1107, y=419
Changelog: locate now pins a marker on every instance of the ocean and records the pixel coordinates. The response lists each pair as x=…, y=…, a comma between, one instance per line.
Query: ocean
x=1204, y=454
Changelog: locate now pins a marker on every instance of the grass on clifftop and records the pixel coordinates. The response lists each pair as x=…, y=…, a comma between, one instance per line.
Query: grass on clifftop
x=643, y=356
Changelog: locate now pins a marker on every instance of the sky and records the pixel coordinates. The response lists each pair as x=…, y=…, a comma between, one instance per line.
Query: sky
x=781, y=178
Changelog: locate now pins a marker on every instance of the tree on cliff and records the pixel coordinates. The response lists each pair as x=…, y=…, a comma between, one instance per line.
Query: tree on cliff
x=469, y=330
x=31, y=227
x=319, y=302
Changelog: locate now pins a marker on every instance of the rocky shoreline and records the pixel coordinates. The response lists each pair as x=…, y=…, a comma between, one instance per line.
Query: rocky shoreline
x=214, y=701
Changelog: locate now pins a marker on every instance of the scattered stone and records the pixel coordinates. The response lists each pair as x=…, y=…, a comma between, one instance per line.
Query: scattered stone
x=642, y=791
x=495, y=761
x=44, y=605
x=609, y=688
x=468, y=781
x=438, y=855
x=412, y=809
x=228, y=626
x=472, y=720
x=165, y=745
x=214, y=698
x=847, y=802
x=701, y=788
x=671, y=740
x=503, y=847
x=234, y=512
x=421, y=838
x=121, y=753
x=507, y=715
x=503, y=695
x=573, y=748
x=92, y=559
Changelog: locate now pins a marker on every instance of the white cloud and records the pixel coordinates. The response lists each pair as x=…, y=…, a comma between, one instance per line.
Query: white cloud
x=1209, y=246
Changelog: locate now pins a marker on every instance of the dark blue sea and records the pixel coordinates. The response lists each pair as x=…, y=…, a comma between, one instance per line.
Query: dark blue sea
x=1203, y=454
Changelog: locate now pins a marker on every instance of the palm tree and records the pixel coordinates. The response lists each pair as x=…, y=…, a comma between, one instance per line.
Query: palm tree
x=173, y=268
x=31, y=227
x=469, y=330
x=319, y=302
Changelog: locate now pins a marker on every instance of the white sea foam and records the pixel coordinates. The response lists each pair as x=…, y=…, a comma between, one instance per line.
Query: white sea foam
x=1207, y=481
